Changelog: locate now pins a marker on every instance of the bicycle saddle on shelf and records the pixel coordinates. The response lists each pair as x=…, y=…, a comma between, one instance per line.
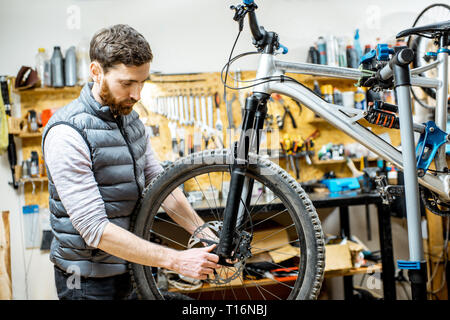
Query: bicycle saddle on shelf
x=428, y=30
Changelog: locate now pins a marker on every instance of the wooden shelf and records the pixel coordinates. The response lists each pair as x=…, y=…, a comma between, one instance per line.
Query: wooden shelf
x=264, y=282
x=39, y=179
x=30, y=134
x=49, y=90
x=326, y=162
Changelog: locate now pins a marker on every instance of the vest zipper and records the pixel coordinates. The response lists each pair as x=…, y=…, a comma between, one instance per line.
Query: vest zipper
x=118, y=120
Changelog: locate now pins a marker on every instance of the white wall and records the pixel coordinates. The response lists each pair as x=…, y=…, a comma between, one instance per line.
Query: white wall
x=185, y=36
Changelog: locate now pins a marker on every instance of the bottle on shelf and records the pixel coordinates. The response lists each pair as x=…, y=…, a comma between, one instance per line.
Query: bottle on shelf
x=357, y=45
x=352, y=57
x=332, y=51
x=57, y=63
x=313, y=55
x=360, y=99
x=342, y=55
x=83, y=62
x=40, y=59
x=337, y=97
x=70, y=67
x=34, y=167
x=322, y=47
x=317, y=89
x=328, y=93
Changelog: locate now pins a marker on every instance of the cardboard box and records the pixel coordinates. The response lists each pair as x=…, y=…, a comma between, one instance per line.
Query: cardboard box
x=275, y=242
x=338, y=257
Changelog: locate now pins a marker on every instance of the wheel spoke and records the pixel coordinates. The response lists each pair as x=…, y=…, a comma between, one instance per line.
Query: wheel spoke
x=160, y=235
x=274, y=233
x=212, y=211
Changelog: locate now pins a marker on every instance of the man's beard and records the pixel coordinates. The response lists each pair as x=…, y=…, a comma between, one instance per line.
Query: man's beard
x=118, y=108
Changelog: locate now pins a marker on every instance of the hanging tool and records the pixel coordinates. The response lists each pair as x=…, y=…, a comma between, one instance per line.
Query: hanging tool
x=281, y=120
x=308, y=145
x=198, y=122
x=181, y=146
x=295, y=150
x=12, y=155
x=287, y=147
x=210, y=113
x=191, y=109
x=203, y=105
x=181, y=108
x=284, y=149
x=186, y=110
x=173, y=134
x=229, y=105
x=219, y=124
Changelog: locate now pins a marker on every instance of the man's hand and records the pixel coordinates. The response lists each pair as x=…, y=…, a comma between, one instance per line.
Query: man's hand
x=196, y=263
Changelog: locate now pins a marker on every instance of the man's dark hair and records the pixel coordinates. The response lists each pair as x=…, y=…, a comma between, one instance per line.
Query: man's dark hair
x=119, y=44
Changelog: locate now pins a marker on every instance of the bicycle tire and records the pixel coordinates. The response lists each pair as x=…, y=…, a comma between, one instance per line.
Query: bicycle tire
x=414, y=43
x=298, y=205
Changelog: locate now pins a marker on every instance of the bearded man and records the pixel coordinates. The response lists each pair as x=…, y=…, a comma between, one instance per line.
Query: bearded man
x=99, y=160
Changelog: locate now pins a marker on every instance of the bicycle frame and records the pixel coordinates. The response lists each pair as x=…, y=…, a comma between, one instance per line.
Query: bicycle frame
x=269, y=66
x=346, y=120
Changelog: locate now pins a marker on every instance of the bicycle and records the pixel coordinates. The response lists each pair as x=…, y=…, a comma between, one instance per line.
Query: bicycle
x=237, y=213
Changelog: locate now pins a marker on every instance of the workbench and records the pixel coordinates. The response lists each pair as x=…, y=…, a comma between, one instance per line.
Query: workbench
x=343, y=201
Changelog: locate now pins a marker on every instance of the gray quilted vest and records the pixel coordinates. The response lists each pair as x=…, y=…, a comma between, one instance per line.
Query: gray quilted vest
x=117, y=147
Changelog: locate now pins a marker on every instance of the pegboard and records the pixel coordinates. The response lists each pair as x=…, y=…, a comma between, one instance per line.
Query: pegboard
x=206, y=84
x=209, y=83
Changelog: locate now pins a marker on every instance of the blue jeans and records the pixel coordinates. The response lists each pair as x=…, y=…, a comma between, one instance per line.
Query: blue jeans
x=110, y=288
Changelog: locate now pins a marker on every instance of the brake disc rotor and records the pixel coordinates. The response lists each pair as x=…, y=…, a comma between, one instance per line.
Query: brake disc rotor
x=226, y=274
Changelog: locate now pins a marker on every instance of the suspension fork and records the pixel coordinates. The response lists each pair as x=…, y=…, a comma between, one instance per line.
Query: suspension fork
x=241, y=186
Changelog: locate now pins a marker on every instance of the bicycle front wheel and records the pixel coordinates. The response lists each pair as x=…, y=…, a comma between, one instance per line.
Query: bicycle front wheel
x=279, y=240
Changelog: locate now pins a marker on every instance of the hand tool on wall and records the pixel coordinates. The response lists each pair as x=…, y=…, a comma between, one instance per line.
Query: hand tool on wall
x=186, y=110
x=281, y=120
x=295, y=149
x=170, y=114
x=176, y=108
x=191, y=109
x=12, y=155
x=219, y=124
x=210, y=113
x=173, y=135
x=309, y=145
x=198, y=122
x=285, y=152
x=181, y=108
x=203, y=107
x=181, y=146
x=229, y=105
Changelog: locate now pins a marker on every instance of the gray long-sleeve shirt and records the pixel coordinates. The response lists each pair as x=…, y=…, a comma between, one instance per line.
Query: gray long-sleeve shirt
x=68, y=159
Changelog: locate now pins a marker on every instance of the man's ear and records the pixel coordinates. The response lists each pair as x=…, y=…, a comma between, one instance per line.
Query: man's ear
x=96, y=72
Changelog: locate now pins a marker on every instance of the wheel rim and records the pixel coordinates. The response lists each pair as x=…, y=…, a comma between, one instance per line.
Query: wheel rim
x=258, y=291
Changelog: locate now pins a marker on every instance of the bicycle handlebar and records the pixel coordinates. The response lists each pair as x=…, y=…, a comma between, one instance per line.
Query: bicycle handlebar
x=261, y=37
